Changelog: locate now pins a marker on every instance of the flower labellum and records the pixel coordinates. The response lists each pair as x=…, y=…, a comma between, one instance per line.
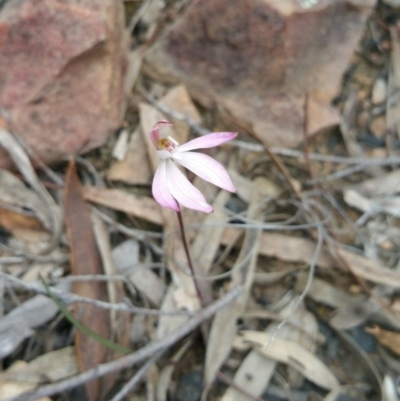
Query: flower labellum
x=170, y=186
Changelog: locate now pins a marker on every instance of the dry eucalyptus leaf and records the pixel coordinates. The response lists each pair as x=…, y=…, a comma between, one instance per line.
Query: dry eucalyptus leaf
x=135, y=167
x=207, y=242
x=121, y=145
x=326, y=293
x=18, y=324
x=12, y=334
x=389, y=339
x=126, y=256
x=389, y=205
x=134, y=63
x=52, y=366
x=23, y=226
x=178, y=100
x=15, y=193
x=151, y=382
x=142, y=207
x=385, y=184
x=51, y=211
x=120, y=321
x=287, y=248
x=352, y=315
x=86, y=260
x=147, y=14
x=243, y=186
x=301, y=328
x=253, y=374
x=290, y=353
x=389, y=389
x=256, y=370
x=149, y=284
x=371, y=270
x=12, y=388
x=169, y=323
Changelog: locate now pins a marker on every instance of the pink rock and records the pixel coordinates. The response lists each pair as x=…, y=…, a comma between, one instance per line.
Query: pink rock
x=259, y=60
x=62, y=70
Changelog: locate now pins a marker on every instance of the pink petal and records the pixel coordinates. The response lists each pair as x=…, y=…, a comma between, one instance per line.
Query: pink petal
x=208, y=141
x=183, y=191
x=161, y=192
x=155, y=131
x=208, y=169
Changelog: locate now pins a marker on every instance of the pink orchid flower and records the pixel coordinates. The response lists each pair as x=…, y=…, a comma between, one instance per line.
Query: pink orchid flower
x=170, y=186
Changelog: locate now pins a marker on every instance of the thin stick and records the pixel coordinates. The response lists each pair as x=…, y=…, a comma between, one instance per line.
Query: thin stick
x=70, y=298
x=189, y=259
x=131, y=359
x=136, y=378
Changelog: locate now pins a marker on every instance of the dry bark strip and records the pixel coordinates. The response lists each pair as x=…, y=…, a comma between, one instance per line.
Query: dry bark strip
x=85, y=259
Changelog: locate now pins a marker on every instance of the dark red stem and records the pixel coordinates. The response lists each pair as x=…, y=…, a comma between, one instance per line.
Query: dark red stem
x=189, y=259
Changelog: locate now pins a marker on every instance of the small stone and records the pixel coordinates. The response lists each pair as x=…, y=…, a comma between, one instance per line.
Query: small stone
x=258, y=60
x=63, y=67
x=379, y=91
x=378, y=126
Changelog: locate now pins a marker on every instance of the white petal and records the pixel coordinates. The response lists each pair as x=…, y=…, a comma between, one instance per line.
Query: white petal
x=208, y=169
x=183, y=191
x=160, y=188
x=164, y=154
x=208, y=141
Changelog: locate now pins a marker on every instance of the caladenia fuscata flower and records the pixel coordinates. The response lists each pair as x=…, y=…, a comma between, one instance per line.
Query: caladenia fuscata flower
x=170, y=186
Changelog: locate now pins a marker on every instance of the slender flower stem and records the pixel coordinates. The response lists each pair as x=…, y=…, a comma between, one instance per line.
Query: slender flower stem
x=189, y=259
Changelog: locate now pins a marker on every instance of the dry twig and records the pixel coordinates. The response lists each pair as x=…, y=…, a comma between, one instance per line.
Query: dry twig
x=137, y=377
x=69, y=298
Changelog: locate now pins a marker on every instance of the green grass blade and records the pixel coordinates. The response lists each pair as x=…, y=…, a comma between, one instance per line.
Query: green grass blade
x=82, y=328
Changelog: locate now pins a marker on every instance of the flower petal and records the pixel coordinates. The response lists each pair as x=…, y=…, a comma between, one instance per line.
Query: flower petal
x=155, y=131
x=183, y=191
x=208, y=169
x=208, y=141
x=161, y=192
x=164, y=154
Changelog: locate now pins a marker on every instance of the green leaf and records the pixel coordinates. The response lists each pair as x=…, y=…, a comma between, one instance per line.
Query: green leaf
x=78, y=325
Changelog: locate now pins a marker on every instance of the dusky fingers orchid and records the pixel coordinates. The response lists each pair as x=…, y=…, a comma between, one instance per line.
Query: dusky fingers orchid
x=170, y=186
